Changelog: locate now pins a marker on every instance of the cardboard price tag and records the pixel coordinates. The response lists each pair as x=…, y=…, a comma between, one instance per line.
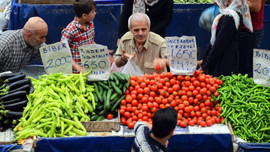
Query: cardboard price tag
x=57, y=58
x=261, y=67
x=182, y=54
x=95, y=57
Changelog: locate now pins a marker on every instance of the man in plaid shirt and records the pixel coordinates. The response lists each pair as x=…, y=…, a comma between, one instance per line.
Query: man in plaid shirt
x=20, y=47
x=80, y=31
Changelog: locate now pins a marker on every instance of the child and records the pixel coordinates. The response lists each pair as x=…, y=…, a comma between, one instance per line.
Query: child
x=80, y=31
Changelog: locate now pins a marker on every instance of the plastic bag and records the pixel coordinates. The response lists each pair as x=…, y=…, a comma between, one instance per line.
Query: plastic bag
x=207, y=17
x=131, y=68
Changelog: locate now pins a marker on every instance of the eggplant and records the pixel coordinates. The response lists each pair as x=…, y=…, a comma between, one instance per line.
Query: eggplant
x=5, y=76
x=13, y=95
x=14, y=100
x=15, y=106
x=25, y=87
x=19, y=83
x=15, y=78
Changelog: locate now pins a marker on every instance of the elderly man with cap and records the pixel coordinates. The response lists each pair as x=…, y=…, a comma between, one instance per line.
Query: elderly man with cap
x=20, y=47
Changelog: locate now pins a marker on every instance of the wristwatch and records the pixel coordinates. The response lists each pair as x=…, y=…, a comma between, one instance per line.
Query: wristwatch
x=124, y=61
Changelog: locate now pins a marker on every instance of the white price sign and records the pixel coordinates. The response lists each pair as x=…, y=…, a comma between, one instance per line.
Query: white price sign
x=95, y=57
x=182, y=54
x=57, y=58
x=261, y=67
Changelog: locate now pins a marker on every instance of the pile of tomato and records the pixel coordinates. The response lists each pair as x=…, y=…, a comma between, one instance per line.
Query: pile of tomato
x=192, y=96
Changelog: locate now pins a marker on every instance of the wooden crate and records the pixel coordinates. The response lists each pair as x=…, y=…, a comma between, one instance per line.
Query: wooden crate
x=103, y=126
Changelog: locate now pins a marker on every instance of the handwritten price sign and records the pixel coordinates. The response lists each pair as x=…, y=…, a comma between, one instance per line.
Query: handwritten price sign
x=261, y=67
x=57, y=58
x=95, y=57
x=182, y=54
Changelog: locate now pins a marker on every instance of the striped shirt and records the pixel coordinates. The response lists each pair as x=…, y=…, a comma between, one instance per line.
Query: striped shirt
x=143, y=142
x=14, y=53
x=76, y=37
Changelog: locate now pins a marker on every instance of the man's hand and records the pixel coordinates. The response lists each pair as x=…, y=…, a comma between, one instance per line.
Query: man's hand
x=160, y=64
x=79, y=68
x=126, y=56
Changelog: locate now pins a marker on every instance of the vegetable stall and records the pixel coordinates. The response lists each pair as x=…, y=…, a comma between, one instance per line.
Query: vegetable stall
x=58, y=103
x=56, y=110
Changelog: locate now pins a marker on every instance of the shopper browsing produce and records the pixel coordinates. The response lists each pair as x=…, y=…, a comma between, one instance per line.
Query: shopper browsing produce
x=80, y=31
x=20, y=47
x=222, y=55
x=155, y=137
x=147, y=48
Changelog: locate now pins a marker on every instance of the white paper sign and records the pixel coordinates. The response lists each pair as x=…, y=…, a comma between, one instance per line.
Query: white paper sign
x=57, y=58
x=95, y=57
x=261, y=67
x=182, y=54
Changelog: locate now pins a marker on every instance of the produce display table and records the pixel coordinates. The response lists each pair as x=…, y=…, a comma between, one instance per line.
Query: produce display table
x=184, y=22
x=188, y=139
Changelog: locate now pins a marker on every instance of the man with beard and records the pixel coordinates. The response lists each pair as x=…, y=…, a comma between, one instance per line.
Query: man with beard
x=20, y=47
x=148, y=49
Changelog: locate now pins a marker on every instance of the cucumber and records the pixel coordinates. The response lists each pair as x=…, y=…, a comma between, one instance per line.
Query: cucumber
x=116, y=88
x=114, y=95
x=97, y=92
x=117, y=103
x=100, y=118
x=94, y=118
x=119, y=76
x=103, y=85
x=107, y=101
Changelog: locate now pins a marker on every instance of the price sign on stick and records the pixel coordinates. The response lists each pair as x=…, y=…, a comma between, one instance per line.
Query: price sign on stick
x=57, y=58
x=261, y=67
x=95, y=57
x=182, y=54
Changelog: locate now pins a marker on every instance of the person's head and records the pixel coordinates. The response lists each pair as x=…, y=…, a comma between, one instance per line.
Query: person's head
x=35, y=31
x=85, y=9
x=237, y=5
x=164, y=122
x=139, y=26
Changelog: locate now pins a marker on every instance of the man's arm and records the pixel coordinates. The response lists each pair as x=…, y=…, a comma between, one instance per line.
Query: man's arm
x=255, y=5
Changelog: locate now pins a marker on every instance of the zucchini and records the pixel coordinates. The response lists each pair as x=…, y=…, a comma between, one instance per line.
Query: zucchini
x=15, y=78
x=13, y=95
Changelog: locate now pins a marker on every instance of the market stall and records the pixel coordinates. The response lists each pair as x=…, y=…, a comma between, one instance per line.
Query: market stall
x=60, y=102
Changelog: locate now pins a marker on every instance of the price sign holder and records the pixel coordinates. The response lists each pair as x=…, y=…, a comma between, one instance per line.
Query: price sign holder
x=95, y=57
x=182, y=54
x=57, y=58
x=261, y=67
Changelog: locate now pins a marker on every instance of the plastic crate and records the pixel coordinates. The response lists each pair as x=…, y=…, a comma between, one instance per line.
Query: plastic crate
x=108, y=1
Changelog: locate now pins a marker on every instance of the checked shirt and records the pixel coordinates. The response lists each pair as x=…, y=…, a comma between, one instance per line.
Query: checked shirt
x=14, y=53
x=76, y=37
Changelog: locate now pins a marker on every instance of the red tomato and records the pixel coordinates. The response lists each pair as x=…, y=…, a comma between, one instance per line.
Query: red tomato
x=109, y=116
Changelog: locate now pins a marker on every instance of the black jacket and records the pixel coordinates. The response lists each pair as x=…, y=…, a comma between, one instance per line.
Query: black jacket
x=160, y=15
x=223, y=57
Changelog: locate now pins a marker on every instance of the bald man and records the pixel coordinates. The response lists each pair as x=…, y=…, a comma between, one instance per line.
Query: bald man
x=20, y=47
